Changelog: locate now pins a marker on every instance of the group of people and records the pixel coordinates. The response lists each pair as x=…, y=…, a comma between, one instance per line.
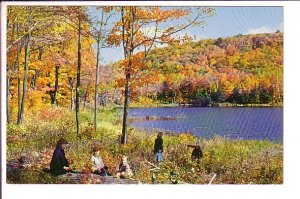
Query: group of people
x=197, y=153
x=60, y=165
x=123, y=169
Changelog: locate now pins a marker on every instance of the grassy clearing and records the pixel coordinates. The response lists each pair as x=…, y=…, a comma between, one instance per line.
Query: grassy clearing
x=234, y=161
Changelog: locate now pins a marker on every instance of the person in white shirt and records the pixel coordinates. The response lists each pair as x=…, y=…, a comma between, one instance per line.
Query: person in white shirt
x=98, y=166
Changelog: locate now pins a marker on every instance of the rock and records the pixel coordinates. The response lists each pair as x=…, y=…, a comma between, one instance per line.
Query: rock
x=76, y=178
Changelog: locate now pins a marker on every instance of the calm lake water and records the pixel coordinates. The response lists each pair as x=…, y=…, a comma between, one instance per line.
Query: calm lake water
x=239, y=122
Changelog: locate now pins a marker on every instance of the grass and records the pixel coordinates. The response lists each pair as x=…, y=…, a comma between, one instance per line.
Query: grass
x=233, y=161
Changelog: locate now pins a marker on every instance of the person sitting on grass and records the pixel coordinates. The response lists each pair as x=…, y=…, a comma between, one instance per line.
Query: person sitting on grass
x=197, y=153
x=158, y=147
x=123, y=169
x=59, y=164
x=98, y=166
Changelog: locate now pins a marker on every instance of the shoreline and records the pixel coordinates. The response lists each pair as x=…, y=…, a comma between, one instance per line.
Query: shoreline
x=173, y=133
x=217, y=105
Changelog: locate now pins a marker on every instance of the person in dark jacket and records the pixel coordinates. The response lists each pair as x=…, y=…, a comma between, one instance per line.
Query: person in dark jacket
x=59, y=164
x=158, y=147
x=197, y=153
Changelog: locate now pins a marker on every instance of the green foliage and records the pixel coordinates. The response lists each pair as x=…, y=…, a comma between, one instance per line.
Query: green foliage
x=264, y=96
x=218, y=96
x=258, y=95
x=202, y=98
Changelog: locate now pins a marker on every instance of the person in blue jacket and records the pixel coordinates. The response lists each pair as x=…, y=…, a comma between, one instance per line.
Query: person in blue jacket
x=59, y=164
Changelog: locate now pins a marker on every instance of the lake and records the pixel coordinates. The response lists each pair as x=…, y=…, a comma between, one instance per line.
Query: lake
x=233, y=122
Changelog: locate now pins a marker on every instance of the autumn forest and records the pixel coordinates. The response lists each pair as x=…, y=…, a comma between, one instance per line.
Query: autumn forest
x=54, y=65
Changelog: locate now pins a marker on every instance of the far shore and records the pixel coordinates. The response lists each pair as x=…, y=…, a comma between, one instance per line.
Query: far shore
x=177, y=105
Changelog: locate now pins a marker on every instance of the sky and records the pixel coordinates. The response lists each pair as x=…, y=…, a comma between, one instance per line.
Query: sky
x=227, y=21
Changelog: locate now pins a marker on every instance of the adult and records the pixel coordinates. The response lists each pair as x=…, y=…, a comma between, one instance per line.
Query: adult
x=158, y=147
x=59, y=164
x=197, y=153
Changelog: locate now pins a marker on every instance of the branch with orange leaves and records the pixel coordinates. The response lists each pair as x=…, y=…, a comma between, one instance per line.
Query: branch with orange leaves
x=17, y=40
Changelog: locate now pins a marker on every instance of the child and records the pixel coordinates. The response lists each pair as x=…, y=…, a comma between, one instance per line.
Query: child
x=158, y=147
x=98, y=166
x=123, y=170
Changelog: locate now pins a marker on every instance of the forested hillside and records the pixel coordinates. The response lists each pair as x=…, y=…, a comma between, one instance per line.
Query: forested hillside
x=244, y=69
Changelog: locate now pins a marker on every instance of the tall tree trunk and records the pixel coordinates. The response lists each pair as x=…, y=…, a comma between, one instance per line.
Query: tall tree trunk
x=19, y=78
x=34, y=79
x=71, y=83
x=36, y=71
x=126, y=108
x=54, y=98
x=97, y=71
x=7, y=95
x=96, y=82
x=27, y=48
x=72, y=100
x=78, y=80
x=128, y=51
x=53, y=93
